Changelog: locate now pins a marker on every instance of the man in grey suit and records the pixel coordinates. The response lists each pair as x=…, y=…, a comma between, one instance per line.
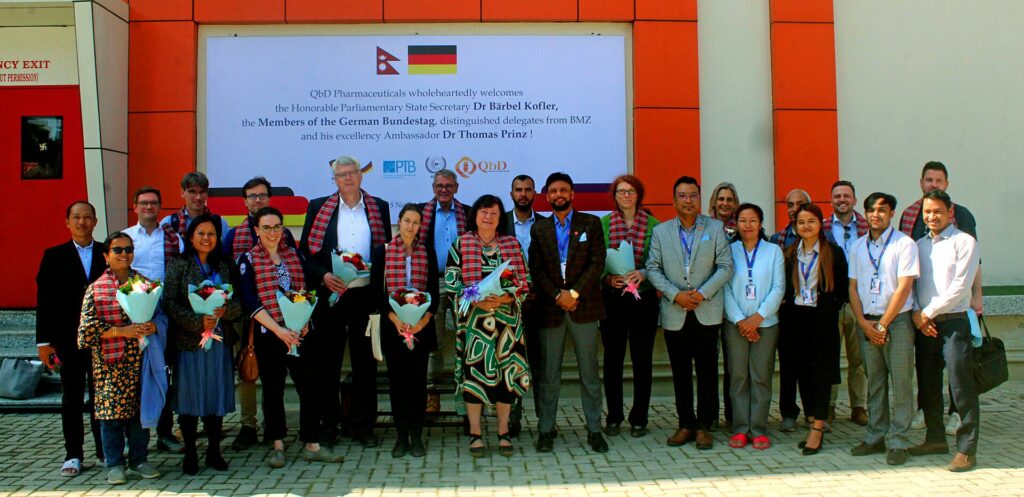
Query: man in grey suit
x=689, y=262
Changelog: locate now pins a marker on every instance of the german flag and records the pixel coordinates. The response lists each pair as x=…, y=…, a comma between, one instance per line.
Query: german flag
x=432, y=59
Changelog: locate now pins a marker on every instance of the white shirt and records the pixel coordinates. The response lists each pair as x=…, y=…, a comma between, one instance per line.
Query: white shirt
x=949, y=263
x=149, y=251
x=354, y=228
x=85, y=255
x=804, y=264
x=898, y=261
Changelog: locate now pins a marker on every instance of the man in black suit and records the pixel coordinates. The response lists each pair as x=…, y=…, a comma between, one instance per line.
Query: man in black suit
x=347, y=221
x=64, y=273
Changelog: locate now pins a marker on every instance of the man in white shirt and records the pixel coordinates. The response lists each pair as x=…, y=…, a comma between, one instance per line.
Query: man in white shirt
x=883, y=267
x=148, y=236
x=949, y=264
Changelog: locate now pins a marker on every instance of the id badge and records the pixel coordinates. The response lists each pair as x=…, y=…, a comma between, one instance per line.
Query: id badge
x=808, y=296
x=876, y=286
x=751, y=292
x=563, y=271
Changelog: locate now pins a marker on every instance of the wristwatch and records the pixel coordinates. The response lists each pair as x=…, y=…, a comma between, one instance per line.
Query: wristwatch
x=880, y=327
x=574, y=294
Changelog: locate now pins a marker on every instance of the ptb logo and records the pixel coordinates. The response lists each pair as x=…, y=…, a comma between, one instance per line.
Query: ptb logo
x=399, y=168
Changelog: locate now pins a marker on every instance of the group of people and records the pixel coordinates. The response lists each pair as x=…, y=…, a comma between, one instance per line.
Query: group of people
x=895, y=296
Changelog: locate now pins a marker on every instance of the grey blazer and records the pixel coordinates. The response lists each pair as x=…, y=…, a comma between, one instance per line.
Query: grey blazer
x=710, y=268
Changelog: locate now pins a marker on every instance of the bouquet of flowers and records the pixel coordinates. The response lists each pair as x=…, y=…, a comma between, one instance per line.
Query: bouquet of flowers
x=204, y=299
x=409, y=305
x=139, y=298
x=502, y=280
x=619, y=261
x=351, y=268
x=296, y=309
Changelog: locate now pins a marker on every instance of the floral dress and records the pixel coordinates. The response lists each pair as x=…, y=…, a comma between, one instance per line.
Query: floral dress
x=118, y=384
x=490, y=348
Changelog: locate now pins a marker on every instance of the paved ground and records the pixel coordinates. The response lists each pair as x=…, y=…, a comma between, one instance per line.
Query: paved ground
x=31, y=451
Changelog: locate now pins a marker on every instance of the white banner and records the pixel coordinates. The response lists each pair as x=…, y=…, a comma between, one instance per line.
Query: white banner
x=486, y=106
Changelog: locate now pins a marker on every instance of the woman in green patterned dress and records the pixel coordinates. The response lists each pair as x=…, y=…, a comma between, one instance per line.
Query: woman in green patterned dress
x=490, y=359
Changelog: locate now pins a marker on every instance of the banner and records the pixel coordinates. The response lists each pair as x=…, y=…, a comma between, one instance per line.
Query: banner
x=488, y=107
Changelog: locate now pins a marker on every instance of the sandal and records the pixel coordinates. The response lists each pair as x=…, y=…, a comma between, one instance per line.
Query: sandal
x=762, y=442
x=476, y=451
x=71, y=468
x=738, y=441
x=505, y=450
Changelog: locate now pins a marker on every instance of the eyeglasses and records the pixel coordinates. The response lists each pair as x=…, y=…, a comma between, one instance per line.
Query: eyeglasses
x=688, y=196
x=624, y=192
x=345, y=175
x=445, y=187
x=257, y=196
x=122, y=250
x=272, y=229
x=148, y=203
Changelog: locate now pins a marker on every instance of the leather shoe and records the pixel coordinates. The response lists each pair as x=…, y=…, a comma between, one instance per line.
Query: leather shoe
x=367, y=440
x=866, y=450
x=247, y=437
x=962, y=462
x=897, y=457
x=929, y=448
x=401, y=447
x=859, y=416
x=681, y=437
x=612, y=429
x=514, y=427
x=637, y=431
x=597, y=442
x=546, y=442
x=170, y=444
x=704, y=439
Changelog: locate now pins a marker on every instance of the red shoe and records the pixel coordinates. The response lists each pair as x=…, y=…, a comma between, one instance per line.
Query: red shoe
x=762, y=442
x=738, y=441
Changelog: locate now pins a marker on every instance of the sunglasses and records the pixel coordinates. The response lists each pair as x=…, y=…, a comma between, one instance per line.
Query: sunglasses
x=122, y=250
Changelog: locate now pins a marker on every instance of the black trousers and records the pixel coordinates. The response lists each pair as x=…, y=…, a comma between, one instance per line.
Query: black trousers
x=75, y=381
x=275, y=363
x=345, y=323
x=695, y=346
x=789, y=363
x=165, y=425
x=534, y=358
x=726, y=379
x=407, y=384
x=952, y=349
x=634, y=322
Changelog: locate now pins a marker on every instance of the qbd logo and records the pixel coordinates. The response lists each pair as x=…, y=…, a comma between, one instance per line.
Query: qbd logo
x=467, y=167
x=399, y=169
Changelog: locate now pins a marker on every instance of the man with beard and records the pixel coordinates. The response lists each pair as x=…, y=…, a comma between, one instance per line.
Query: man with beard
x=567, y=252
x=518, y=222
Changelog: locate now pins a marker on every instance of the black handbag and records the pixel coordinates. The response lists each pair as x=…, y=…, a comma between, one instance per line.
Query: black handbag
x=990, y=369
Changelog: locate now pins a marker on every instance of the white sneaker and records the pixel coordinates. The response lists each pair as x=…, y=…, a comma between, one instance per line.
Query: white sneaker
x=953, y=424
x=918, y=422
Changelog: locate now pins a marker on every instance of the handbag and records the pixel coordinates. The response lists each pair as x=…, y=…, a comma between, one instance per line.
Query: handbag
x=990, y=368
x=248, y=368
x=19, y=378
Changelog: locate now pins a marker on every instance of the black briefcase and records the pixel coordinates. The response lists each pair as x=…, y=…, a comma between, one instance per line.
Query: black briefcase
x=990, y=369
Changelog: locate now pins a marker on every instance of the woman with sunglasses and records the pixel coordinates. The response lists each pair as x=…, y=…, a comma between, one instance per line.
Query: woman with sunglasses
x=204, y=376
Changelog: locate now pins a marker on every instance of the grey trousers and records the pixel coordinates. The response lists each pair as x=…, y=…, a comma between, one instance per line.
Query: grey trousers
x=436, y=362
x=894, y=360
x=584, y=338
x=856, y=382
x=751, y=366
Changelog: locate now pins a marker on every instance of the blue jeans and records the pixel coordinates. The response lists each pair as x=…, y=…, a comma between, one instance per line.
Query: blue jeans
x=114, y=432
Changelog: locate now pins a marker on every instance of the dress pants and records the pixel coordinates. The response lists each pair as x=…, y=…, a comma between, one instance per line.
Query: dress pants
x=334, y=326
x=445, y=335
x=534, y=357
x=789, y=363
x=856, y=376
x=246, y=392
x=407, y=384
x=893, y=360
x=275, y=363
x=634, y=322
x=751, y=366
x=165, y=425
x=584, y=338
x=953, y=348
x=75, y=381
x=695, y=346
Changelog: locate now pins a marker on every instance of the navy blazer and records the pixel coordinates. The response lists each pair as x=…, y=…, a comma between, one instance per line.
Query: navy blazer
x=316, y=266
x=60, y=288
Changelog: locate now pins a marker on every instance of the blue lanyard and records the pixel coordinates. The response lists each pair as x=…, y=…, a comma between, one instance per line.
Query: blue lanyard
x=686, y=246
x=212, y=276
x=563, y=241
x=878, y=262
x=751, y=259
x=806, y=270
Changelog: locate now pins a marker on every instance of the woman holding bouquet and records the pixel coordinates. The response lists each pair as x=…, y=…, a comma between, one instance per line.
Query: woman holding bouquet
x=490, y=359
x=632, y=307
x=204, y=375
x=117, y=363
x=403, y=264
x=265, y=270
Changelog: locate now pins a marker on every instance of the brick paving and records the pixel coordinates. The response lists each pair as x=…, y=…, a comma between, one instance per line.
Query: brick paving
x=31, y=452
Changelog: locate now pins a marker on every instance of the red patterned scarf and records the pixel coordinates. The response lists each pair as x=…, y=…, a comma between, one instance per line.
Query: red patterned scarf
x=104, y=293
x=636, y=234
x=428, y=216
x=180, y=220
x=323, y=218
x=909, y=218
x=394, y=265
x=473, y=256
x=266, y=277
x=862, y=224
x=243, y=241
x=171, y=248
